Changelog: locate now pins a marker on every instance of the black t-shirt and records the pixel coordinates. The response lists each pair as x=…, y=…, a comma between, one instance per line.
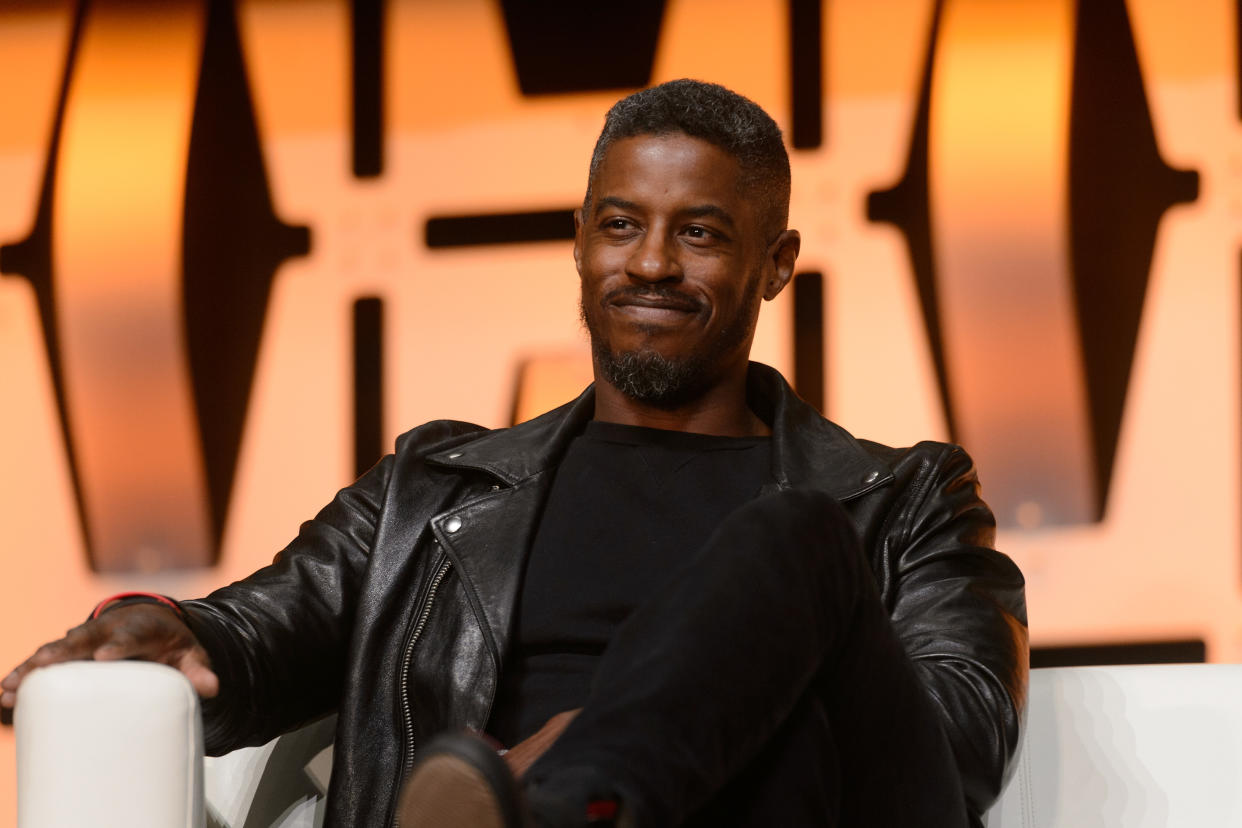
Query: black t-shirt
x=627, y=506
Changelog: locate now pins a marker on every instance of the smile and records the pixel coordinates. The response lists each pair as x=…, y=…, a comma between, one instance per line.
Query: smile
x=655, y=310
x=654, y=314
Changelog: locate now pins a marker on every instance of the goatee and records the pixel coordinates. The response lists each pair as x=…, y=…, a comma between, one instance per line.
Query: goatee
x=649, y=377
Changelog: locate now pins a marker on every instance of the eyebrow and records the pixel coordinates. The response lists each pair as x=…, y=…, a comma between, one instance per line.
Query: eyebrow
x=613, y=201
x=712, y=210
x=697, y=211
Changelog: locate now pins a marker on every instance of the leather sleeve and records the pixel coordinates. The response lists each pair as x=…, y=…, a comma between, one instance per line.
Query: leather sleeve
x=959, y=608
x=278, y=638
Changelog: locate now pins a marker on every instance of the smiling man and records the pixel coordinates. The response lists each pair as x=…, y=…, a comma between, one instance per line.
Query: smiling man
x=684, y=598
x=675, y=251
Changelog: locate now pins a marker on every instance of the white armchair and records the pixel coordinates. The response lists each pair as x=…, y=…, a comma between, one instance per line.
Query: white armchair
x=1133, y=747
x=119, y=744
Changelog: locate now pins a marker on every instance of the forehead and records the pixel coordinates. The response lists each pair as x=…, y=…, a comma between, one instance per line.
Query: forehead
x=666, y=169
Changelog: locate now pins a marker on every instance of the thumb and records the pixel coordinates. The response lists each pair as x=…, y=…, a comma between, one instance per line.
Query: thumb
x=195, y=666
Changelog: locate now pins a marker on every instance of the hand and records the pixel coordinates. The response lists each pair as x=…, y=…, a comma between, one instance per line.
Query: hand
x=522, y=755
x=139, y=631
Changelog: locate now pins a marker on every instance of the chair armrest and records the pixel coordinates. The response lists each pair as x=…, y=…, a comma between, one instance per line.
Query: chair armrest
x=1140, y=746
x=108, y=744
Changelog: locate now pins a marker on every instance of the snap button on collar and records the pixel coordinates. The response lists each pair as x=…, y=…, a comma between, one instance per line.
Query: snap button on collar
x=452, y=525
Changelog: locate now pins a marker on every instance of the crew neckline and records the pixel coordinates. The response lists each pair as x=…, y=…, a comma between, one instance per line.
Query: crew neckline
x=634, y=435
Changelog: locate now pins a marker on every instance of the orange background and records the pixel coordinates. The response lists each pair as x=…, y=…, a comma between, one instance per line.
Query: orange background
x=460, y=138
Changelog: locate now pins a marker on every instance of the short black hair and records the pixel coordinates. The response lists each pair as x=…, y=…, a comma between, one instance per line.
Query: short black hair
x=712, y=113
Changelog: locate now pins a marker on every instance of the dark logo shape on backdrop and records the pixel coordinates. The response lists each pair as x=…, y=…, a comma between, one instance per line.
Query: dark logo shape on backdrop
x=233, y=242
x=1119, y=189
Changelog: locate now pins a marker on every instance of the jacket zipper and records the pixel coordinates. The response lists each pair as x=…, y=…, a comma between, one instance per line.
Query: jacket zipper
x=407, y=759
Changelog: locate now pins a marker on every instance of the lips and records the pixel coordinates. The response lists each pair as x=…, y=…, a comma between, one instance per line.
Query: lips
x=653, y=301
x=653, y=311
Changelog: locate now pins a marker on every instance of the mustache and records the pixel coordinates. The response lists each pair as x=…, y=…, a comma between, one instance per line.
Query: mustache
x=665, y=295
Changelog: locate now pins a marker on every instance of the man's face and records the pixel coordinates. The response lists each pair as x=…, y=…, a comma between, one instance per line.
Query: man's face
x=673, y=263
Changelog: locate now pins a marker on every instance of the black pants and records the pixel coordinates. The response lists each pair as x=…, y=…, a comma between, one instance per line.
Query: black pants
x=763, y=685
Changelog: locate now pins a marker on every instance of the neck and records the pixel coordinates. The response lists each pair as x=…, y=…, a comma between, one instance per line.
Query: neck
x=722, y=411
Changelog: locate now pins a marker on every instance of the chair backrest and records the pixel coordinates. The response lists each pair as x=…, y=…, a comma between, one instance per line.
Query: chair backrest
x=1138, y=746
x=282, y=784
x=120, y=744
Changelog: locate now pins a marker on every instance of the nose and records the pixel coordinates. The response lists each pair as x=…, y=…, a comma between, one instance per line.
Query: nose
x=654, y=260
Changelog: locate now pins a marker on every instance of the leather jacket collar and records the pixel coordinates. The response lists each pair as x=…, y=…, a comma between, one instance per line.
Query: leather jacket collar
x=807, y=449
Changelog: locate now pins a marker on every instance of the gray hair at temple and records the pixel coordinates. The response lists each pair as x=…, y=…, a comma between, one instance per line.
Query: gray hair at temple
x=712, y=113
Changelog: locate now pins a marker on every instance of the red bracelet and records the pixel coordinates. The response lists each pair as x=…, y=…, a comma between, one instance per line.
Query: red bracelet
x=147, y=598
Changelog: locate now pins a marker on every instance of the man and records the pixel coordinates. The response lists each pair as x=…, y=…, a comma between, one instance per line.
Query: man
x=761, y=619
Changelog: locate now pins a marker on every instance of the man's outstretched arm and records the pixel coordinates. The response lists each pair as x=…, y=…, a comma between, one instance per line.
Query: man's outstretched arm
x=280, y=620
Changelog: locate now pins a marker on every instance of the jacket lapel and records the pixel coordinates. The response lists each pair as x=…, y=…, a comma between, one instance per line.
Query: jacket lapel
x=488, y=537
x=487, y=540
x=807, y=449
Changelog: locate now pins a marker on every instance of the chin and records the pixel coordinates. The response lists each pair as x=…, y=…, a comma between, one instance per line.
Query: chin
x=657, y=379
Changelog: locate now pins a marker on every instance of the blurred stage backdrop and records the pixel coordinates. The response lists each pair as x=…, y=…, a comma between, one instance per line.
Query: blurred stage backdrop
x=243, y=246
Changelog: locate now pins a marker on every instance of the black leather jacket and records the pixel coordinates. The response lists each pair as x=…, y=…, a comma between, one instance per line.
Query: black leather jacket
x=395, y=603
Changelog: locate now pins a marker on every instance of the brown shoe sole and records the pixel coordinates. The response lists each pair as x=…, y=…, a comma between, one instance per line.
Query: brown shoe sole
x=460, y=783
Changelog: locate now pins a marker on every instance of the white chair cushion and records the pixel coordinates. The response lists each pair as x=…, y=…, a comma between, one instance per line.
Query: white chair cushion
x=1139, y=747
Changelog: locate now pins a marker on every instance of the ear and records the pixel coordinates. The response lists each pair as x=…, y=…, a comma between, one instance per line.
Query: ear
x=578, y=223
x=782, y=256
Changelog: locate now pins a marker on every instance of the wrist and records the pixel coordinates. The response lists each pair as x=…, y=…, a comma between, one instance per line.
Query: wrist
x=125, y=599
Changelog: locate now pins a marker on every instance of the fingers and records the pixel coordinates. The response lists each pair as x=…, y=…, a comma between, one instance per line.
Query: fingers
x=78, y=644
x=172, y=644
x=196, y=667
x=156, y=633
x=141, y=631
x=8, y=695
x=561, y=720
x=522, y=755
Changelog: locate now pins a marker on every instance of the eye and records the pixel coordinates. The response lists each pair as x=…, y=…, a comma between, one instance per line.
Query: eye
x=700, y=235
x=617, y=226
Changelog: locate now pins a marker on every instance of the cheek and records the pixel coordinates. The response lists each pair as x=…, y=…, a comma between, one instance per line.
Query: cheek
x=736, y=303
x=599, y=259
x=591, y=288
x=598, y=268
x=728, y=292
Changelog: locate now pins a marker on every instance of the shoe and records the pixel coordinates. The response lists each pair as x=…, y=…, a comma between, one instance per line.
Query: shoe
x=460, y=781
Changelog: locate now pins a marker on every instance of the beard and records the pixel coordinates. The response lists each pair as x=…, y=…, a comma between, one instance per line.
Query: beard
x=647, y=376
